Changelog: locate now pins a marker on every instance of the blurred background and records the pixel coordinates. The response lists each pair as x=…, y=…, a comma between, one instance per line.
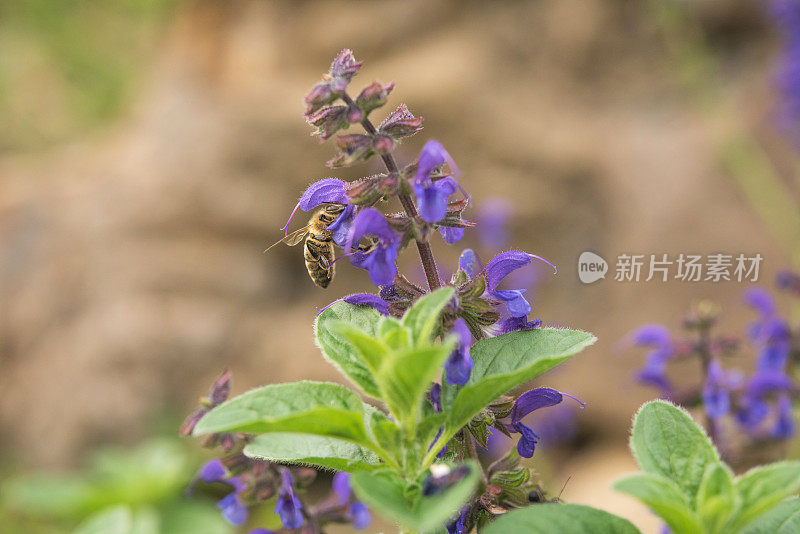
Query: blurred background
x=151, y=149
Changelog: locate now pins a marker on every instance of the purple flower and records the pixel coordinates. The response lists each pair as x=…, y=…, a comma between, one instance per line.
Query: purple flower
x=359, y=514
x=261, y=531
x=341, y=486
x=451, y=234
x=327, y=191
x=753, y=406
x=368, y=299
x=785, y=425
x=514, y=324
x=458, y=366
x=436, y=401
x=716, y=398
x=769, y=333
x=789, y=281
x=501, y=266
x=469, y=263
x=379, y=259
x=525, y=404
x=233, y=509
x=654, y=371
x=457, y=526
x=289, y=506
x=493, y=217
x=786, y=14
x=432, y=196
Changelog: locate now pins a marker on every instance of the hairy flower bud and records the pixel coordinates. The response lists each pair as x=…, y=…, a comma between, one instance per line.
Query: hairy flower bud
x=374, y=96
x=328, y=121
x=383, y=144
x=319, y=96
x=401, y=123
x=343, y=68
x=354, y=147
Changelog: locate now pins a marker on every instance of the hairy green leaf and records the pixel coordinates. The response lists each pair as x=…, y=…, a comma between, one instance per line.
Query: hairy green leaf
x=560, y=518
x=423, y=317
x=763, y=487
x=396, y=499
x=666, y=441
x=320, y=451
x=665, y=498
x=507, y=361
x=783, y=518
x=716, y=498
x=319, y=408
x=337, y=350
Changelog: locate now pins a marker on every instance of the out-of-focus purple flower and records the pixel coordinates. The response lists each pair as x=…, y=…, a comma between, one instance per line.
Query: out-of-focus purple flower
x=289, y=507
x=261, y=531
x=654, y=371
x=769, y=332
x=341, y=487
x=458, y=366
x=359, y=514
x=716, y=397
x=432, y=196
x=501, y=266
x=786, y=14
x=493, y=217
x=753, y=406
x=525, y=404
x=451, y=234
x=789, y=281
x=457, y=526
x=436, y=401
x=380, y=259
x=233, y=509
x=218, y=393
x=785, y=425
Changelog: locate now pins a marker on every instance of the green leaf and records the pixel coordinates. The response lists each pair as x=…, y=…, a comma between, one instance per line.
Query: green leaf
x=666, y=441
x=338, y=350
x=663, y=497
x=763, y=487
x=329, y=453
x=371, y=350
x=396, y=499
x=193, y=517
x=121, y=520
x=319, y=408
x=506, y=361
x=784, y=518
x=560, y=518
x=406, y=376
x=423, y=317
x=716, y=498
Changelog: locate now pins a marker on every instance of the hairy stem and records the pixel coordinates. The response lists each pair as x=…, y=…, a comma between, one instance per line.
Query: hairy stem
x=424, y=248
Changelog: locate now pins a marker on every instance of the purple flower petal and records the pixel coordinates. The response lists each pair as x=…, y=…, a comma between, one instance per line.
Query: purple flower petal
x=212, y=471
x=458, y=366
x=233, y=510
x=514, y=324
x=341, y=486
x=368, y=299
x=359, y=515
x=785, y=425
x=288, y=506
x=760, y=300
x=432, y=155
x=527, y=440
x=652, y=335
x=432, y=198
x=369, y=222
x=716, y=399
x=533, y=400
x=467, y=262
x=516, y=304
x=340, y=228
x=451, y=235
x=504, y=264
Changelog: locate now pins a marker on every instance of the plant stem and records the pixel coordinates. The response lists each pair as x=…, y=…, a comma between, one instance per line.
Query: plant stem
x=424, y=248
x=704, y=350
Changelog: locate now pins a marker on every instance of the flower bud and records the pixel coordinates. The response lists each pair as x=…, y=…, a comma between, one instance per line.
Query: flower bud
x=328, y=121
x=319, y=96
x=354, y=147
x=354, y=115
x=401, y=123
x=344, y=66
x=383, y=144
x=374, y=96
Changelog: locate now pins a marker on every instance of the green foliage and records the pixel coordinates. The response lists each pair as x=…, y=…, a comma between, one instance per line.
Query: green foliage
x=327, y=425
x=561, y=518
x=692, y=490
x=319, y=451
x=137, y=491
x=507, y=361
x=402, y=501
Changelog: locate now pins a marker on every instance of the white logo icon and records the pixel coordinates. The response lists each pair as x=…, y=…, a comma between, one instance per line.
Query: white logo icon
x=591, y=267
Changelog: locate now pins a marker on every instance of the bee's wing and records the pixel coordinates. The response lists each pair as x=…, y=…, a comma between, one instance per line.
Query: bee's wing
x=294, y=238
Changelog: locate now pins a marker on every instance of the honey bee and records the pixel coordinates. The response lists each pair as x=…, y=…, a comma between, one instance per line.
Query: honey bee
x=317, y=240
